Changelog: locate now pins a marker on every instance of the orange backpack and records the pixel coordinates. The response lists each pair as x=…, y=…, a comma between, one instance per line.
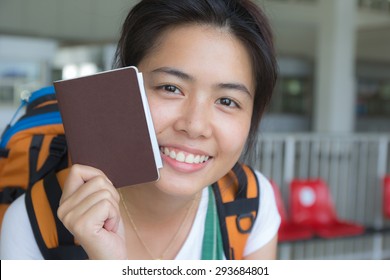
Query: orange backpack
x=35, y=161
x=237, y=200
x=31, y=147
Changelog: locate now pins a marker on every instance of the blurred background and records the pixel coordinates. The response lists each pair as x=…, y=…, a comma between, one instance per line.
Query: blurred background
x=329, y=117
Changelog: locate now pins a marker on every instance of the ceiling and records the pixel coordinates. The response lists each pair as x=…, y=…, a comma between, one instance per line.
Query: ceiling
x=75, y=22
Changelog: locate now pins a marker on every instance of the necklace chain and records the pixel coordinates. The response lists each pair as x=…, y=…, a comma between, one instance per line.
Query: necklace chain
x=170, y=244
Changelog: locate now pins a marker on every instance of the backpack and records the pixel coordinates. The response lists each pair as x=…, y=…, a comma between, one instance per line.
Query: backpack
x=31, y=147
x=236, y=194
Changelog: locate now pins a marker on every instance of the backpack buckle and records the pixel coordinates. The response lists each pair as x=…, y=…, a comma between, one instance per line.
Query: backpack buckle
x=243, y=217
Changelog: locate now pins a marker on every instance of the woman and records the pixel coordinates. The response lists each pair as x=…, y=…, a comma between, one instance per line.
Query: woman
x=209, y=71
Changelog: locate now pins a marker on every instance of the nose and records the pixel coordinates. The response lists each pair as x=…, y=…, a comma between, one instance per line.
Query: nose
x=195, y=118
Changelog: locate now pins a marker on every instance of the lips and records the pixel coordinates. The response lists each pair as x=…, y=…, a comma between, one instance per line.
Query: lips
x=182, y=156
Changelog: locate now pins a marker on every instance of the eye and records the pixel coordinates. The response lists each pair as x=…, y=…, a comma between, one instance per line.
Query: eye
x=170, y=89
x=227, y=102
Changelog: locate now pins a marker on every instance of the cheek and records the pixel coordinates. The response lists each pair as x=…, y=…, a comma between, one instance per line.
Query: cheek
x=233, y=137
x=162, y=115
x=157, y=116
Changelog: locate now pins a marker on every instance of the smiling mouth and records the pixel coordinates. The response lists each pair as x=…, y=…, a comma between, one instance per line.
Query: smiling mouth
x=181, y=156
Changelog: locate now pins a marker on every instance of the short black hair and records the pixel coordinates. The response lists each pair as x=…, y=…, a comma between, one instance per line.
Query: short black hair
x=148, y=19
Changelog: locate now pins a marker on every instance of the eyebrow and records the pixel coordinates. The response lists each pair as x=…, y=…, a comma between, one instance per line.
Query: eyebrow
x=174, y=72
x=182, y=75
x=235, y=86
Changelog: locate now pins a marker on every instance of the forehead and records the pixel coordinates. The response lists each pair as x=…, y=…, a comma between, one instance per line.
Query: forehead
x=203, y=49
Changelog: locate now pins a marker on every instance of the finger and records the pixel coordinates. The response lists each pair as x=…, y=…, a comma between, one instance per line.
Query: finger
x=75, y=206
x=103, y=241
x=78, y=175
x=96, y=184
x=91, y=224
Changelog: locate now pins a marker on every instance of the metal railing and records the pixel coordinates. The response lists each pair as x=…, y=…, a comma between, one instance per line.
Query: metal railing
x=376, y=5
x=352, y=165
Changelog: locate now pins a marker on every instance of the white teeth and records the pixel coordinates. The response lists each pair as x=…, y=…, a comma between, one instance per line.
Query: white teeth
x=181, y=157
x=197, y=159
x=190, y=158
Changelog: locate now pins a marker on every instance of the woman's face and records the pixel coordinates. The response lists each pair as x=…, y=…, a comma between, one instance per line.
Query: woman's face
x=200, y=89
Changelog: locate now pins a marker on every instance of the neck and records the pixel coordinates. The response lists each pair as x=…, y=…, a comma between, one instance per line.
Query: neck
x=148, y=201
x=151, y=211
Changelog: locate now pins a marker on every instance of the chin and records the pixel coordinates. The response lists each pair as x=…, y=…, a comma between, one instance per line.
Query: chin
x=182, y=188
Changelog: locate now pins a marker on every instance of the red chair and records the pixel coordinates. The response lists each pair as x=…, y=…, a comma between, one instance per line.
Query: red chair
x=287, y=230
x=312, y=206
x=386, y=196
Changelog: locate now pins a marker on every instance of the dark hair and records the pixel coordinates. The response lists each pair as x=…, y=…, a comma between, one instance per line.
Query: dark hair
x=150, y=18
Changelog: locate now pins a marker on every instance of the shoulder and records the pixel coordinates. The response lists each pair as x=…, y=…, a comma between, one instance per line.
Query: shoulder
x=15, y=215
x=264, y=185
x=266, y=197
x=17, y=239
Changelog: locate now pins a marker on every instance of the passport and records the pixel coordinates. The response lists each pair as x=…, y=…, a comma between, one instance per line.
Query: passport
x=108, y=125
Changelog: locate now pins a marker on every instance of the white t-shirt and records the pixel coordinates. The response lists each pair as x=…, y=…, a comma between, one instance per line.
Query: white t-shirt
x=17, y=241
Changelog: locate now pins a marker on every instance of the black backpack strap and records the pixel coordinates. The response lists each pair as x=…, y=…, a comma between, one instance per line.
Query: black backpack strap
x=65, y=249
x=57, y=154
x=242, y=206
x=237, y=215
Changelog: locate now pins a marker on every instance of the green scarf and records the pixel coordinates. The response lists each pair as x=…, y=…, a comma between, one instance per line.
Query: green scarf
x=212, y=239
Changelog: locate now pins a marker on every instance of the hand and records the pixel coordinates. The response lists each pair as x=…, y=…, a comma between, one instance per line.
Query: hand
x=89, y=209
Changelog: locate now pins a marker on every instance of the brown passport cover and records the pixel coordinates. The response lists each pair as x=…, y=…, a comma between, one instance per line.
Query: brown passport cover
x=106, y=127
